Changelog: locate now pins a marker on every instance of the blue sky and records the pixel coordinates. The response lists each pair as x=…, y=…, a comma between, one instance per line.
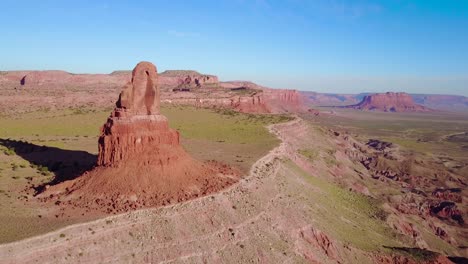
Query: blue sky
x=320, y=45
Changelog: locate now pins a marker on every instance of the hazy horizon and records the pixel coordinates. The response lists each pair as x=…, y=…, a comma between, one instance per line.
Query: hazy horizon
x=381, y=88
x=324, y=46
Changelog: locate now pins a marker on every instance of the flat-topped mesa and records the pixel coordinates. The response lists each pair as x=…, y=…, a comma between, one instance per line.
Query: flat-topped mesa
x=136, y=125
x=389, y=102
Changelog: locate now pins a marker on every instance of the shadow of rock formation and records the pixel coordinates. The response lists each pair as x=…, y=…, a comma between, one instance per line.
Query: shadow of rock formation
x=65, y=164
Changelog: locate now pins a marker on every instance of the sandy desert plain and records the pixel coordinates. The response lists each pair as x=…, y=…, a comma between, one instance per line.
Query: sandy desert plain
x=317, y=185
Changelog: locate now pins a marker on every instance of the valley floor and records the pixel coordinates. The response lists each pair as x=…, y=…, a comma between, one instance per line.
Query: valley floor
x=260, y=219
x=288, y=209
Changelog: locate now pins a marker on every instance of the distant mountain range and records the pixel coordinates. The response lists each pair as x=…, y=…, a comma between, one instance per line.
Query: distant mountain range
x=433, y=101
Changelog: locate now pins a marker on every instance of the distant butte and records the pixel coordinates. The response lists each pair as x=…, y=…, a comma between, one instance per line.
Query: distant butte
x=140, y=161
x=389, y=102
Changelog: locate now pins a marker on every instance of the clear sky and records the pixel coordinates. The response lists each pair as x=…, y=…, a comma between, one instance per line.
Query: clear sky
x=345, y=46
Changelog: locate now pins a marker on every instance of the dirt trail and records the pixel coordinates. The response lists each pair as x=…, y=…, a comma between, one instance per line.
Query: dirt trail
x=261, y=219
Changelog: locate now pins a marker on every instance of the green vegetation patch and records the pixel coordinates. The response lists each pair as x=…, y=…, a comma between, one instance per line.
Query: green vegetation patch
x=417, y=254
x=7, y=151
x=69, y=123
x=222, y=125
x=310, y=154
x=347, y=216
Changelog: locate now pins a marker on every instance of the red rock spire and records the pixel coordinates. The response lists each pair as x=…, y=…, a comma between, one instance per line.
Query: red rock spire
x=135, y=123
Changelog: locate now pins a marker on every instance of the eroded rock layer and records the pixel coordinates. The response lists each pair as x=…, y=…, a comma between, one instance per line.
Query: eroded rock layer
x=122, y=138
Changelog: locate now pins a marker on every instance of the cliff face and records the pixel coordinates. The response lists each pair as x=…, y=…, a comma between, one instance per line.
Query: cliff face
x=389, y=102
x=261, y=102
x=284, y=101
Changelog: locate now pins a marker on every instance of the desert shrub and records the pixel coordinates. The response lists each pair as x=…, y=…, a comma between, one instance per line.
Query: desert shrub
x=9, y=151
x=14, y=166
x=310, y=154
x=418, y=254
x=43, y=170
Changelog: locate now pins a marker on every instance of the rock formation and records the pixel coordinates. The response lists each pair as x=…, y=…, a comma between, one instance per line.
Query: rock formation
x=140, y=161
x=271, y=101
x=135, y=123
x=389, y=102
x=186, y=79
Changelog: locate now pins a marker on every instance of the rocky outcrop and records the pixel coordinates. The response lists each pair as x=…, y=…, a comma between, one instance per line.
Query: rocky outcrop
x=321, y=242
x=261, y=101
x=140, y=161
x=250, y=104
x=450, y=194
x=135, y=123
x=187, y=79
x=389, y=102
x=447, y=210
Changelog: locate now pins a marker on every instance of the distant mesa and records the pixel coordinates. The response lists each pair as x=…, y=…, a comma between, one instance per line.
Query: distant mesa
x=452, y=103
x=140, y=162
x=389, y=102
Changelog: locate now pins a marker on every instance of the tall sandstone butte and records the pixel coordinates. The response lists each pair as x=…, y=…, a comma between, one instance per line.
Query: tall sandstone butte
x=136, y=122
x=140, y=161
